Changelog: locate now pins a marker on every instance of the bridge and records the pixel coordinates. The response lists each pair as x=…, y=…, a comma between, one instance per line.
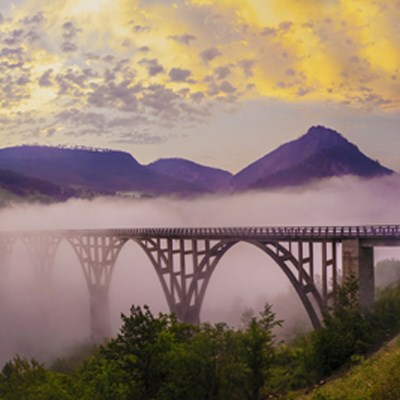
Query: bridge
x=315, y=260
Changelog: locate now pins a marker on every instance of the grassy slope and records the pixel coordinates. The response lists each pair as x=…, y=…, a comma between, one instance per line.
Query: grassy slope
x=376, y=378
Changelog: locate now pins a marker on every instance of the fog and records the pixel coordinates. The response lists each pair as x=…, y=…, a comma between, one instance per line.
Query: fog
x=47, y=319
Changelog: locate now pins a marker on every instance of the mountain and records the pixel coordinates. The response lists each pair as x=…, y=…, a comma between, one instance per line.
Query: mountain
x=320, y=153
x=105, y=172
x=53, y=173
x=211, y=179
x=17, y=186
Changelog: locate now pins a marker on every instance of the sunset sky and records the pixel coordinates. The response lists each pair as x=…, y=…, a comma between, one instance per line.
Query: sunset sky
x=221, y=82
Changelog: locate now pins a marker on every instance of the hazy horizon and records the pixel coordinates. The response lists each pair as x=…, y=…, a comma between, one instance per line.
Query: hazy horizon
x=221, y=83
x=245, y=277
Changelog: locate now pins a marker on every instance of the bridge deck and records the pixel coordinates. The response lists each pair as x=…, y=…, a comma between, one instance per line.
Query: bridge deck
x=314, y=233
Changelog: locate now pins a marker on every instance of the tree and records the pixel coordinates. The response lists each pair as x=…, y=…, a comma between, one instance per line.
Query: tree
x=99, y=378
x=28, y=380
x=346, y=332
x=258, y=340
x=140, y=346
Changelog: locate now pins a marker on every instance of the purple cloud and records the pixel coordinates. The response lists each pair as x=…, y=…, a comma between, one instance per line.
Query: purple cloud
x=185, y=39
x=209, y=54
x=179, y=74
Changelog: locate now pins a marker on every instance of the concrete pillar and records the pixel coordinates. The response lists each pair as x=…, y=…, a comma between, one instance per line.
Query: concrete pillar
x=358, y=261
x=188, y=314
x=100, y=324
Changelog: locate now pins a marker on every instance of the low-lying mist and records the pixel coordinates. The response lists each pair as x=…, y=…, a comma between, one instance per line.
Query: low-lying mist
x=45, y=319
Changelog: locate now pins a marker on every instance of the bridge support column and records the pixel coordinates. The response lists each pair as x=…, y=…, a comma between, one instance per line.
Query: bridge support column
x=100, y=325
x=188, y=314
x=329, y=274
x=97, y=254
x=358, y=261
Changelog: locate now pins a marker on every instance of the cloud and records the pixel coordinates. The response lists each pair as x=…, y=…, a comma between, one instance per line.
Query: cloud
x=299, y=53
x=282, y=28
x=70, y=31
x=153, y=66
x=247, y=66
x=15, y=76
x=14, y=38
x=141, y=28
x=179, y=74
x=72, y=82
x=127, y=121
x=78, y=118
x=144, y=49
x=113, y=95
x=222, y=72
x=69, y=35
x=269, y=31
x=226, y=87
x=68, y=47
x=139, y=138
x=12, y=58
x=34, y=20
x=185, y=39
x=209, y=54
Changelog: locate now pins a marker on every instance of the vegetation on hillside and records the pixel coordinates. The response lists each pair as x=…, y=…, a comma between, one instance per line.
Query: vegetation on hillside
x=16, y=187
x=374, y=378
x=160, y=358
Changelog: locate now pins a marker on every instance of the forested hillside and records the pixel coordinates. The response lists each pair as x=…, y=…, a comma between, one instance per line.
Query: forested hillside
x=157, y=357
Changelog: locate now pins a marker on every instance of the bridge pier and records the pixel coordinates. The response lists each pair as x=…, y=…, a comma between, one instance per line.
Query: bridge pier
x=358, y=262
x=97, y=254
x=100, y=324
x=188, y=314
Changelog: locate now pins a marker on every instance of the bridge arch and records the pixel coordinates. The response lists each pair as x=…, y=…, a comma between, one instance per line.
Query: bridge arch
x=185, y=286
x=98, y=255
x=150, y=246
x=134, y=281
x=186, y=300
x=286, y=261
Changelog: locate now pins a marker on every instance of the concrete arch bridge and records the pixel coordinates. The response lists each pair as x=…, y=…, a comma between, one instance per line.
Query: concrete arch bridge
x=185, y=259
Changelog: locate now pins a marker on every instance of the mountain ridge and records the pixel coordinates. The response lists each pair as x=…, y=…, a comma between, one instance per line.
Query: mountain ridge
x=18, y=186
x=320, y=153
x=296, y=158
x=105, y=172
x=212, y=179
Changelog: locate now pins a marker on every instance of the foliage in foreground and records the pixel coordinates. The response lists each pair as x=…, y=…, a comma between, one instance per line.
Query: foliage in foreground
x=375, y=378
x=159, y=358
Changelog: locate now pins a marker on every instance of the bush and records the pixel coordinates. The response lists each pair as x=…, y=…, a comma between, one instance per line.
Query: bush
x=346, y=332
x=29, y=380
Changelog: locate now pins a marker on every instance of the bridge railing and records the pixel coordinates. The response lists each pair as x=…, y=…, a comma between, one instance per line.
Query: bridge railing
x=272, y=231
x=279, y=232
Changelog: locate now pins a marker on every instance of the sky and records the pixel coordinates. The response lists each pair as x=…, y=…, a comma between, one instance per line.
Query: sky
x=220, y=82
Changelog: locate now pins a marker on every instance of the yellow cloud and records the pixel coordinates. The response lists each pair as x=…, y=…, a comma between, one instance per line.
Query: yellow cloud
x=341, y=51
